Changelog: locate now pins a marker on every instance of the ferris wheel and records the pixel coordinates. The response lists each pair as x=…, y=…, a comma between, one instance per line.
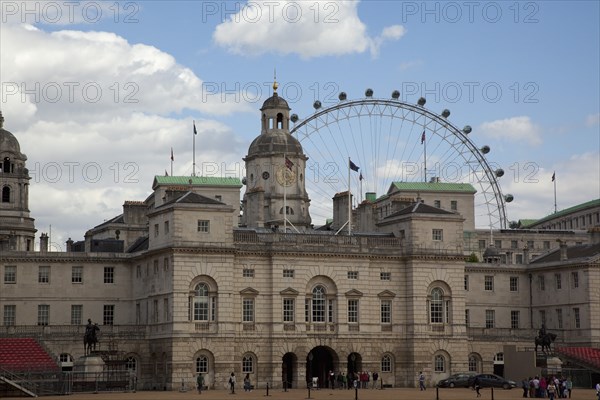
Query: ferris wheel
x=393, y=141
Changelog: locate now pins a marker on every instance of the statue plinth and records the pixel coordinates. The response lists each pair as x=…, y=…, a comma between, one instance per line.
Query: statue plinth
x=89, y=365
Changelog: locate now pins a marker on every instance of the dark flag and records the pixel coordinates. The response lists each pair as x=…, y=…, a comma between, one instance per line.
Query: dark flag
x=288, y=163
x=353, y=166
x=195, y=131
x=360, y=177
x=423, y=137
x=172, y=157
x=554, y=176
x=166, y=173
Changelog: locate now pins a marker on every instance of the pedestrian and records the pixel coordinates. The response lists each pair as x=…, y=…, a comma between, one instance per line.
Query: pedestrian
x=200, y=383
x=551, y=390
x=477, y=386
x=247, y=386
x=375, y=377
x=422, y=381
x=598, y=390
x=569, y=386
x=232, y=383
x=525, y=387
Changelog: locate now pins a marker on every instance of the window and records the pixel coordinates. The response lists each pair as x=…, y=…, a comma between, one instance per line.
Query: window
x=166, y=264
x=558, y=279
x=204, y=305
x=386, y=363
x=473, y=364
x=437, y=204
x=77, y=275
x=542, y=317
x=155, y=267
x=530, y=244
x=155, y=311
x=247, y=364
x=156, y=231
x=559, y=318
x=488, y=283
x=385, y=276
x=10, y=274
x=436, y=306
x=514, y=244
x=353, y=275
x=498, y=244
x=289, y=309
x=490, y=318
x=288, y=273
x=166, y=310
x=467, y=317
x=108, y=314
x=577, y=317
x=43, y=314
x=44, y=275
x=109, y=274
x=131, y=364
x=10, y=315
x=166, y=227
x=318, y=304
x=546, y=244
x=575, y=279
x=386, y=311
x=248, y=273
x=437, y=235
x=514, y=319
x=439, y=364
x=542, y=282
x=467, y=283
x=248, y=310
x=482, y=244
x=453, y=205
x=203, y=226
x=353, y=311
x=76, y=314
x=518, y=258
x=202, y=365
x=514, y=284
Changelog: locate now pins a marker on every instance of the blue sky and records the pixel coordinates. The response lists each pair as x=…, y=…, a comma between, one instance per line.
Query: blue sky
x=524, y=75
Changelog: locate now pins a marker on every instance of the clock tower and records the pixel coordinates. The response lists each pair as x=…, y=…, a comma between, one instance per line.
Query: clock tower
x=275, y=166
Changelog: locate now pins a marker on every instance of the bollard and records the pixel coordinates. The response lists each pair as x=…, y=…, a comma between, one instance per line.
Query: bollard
x=285, y=385
x=437, y=393
x=308, y=386
x=492, y=393
x=267, y=389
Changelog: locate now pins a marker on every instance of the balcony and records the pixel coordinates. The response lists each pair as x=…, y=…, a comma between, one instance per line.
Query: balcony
x=324, y=328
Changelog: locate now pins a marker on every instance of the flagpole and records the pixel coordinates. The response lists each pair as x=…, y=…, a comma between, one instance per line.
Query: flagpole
x=360, y=182
x=284, y=193
x=194, y=151
x=171, y=161
x=349, y=202
x=554, y=180
x=425, y=156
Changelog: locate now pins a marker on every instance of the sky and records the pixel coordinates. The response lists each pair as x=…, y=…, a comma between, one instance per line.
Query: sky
x=98, y=93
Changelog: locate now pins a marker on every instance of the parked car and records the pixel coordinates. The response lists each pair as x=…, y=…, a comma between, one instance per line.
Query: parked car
x=457, y=380
x=491, y=380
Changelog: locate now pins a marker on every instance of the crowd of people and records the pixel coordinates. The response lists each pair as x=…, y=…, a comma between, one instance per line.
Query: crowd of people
x=351, y=380
x=551, y=387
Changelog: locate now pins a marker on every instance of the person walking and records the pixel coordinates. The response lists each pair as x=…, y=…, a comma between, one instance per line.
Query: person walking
x=525, y=387
x=247, y=385
x=200, y=383
x=477, y=386
x=551, y=390
x=232, y=383
x=422, y=381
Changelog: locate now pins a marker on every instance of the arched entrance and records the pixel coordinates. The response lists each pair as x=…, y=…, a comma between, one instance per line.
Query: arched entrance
x=354, y=364
x=288, y=374
x=319, y=362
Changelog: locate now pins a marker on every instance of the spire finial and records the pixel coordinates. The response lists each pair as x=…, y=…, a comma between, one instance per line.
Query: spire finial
x=275, y=84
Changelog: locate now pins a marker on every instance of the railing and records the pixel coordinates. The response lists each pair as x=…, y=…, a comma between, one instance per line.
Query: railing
x=321, y=328
x=70, y=331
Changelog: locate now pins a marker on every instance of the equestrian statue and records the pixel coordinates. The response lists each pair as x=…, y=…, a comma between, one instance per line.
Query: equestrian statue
x=90, y=338
x=544, y=339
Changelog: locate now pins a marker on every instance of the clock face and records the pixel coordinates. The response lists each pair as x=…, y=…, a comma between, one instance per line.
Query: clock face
x=266, y=175
x=285, y=177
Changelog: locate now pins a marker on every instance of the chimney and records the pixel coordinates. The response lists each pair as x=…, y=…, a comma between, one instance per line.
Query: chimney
x=69, y=245
x=44, y=243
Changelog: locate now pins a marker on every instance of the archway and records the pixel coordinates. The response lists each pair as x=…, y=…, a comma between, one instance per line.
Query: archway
x=319, y=362
x=354, y=364
x=288, y=372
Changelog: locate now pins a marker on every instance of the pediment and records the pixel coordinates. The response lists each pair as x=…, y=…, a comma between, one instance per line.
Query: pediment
x=386, y=294
x=289, y=292
x=249, y=292
x=353, y=293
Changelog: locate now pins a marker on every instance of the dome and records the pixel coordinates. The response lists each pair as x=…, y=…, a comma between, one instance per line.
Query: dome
x=491, y=251
x=275, y=102
x=8, y=141
x=274, y=142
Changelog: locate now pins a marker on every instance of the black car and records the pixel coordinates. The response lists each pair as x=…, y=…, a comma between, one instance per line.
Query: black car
x=456, y=380
x=491, y=380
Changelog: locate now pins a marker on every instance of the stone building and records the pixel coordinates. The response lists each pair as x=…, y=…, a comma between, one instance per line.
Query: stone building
x=181, y=284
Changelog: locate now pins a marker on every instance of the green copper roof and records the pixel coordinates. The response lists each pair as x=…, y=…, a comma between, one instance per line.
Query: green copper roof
x=582, y=206
x=197, y=180
x=435, y=186
x=525, y=223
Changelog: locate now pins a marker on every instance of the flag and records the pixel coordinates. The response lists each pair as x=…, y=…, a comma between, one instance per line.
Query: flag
x=172, y=157
x=353, y=166
x=288, y=163
x=423, y=137
x=554, y=176
x=166, y=173
x=195, y=131
x=360, y=177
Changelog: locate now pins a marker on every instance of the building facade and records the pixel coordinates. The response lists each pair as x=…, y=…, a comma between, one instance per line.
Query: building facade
x=181, y=284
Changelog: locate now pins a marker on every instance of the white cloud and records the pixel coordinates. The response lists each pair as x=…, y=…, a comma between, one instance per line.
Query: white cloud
x=309, y=29
x=515, y=129
x=592, y=120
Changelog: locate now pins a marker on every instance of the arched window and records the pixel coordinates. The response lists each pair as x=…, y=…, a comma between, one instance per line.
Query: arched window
x=289, y=210
x=279, y=121
x=131, y=364
x=247, y=364
x=473, y=364
x=6, y=194
x=439, y=363
x=386, y=363
x=202, y=365
x=203, y=304
x=436, y=306
x=318, y=304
